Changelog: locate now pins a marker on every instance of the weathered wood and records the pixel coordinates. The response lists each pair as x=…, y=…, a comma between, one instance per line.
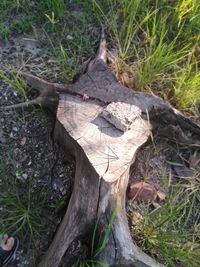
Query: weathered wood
x=103, y=155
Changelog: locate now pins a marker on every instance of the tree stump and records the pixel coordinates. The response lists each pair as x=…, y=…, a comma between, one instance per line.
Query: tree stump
x=104, y=154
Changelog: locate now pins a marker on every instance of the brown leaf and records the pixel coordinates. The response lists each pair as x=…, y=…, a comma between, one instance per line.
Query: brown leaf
x=142, y=191
x=126, y=79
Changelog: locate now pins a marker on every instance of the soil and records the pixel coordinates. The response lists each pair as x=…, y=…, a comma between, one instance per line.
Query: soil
x=161, y=164
x=28, y=152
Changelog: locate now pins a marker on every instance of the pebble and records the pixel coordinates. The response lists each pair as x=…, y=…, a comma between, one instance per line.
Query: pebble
x=69, y=37
x=25, y=176
x=15, y=129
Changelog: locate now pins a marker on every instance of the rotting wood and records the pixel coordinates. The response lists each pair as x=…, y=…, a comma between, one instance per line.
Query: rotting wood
x=103, y=155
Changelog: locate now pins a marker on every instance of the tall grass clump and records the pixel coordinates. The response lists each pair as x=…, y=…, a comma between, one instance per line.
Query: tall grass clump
x=187, y=87
x=120, y=18
x=187, y=8
x=21, y=209
x=154, y=39
x=171, y=233
x=158, y=55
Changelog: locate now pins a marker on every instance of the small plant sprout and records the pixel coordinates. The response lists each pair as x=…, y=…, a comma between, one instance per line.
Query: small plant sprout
x=97, y=249
x=55, y=7
x=52, y=20
x=15, y=81
x=22, y=211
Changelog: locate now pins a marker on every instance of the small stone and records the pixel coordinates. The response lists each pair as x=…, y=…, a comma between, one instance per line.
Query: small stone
x=23, y=141
x=69, y=37
x=50, y=61
x=15, y=129
x=25, y=176
x=18, y=175
x=55, y=186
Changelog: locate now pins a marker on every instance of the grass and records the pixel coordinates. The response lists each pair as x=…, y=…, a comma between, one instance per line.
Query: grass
x=16, y=82
x=186, y=86
x=62, y=33
x=21, y=209
x=55, y=6
x=96, y=250
x=158, y=56
x=155, y=40
x=171, y=233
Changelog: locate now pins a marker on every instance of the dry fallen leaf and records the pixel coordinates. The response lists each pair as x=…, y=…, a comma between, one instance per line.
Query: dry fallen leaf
x=142, y=191
x=126, y=79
